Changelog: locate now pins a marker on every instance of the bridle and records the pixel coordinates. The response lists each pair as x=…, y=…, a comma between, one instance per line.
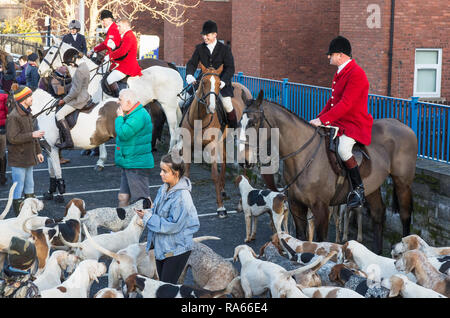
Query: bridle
x=263, y=119
x=58, y=53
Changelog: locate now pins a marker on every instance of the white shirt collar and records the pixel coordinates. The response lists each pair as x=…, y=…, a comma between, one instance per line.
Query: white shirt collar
x=74, y=36
x=341, y=67
x=212, y=46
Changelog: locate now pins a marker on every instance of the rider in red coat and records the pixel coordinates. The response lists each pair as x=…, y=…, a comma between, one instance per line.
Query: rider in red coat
x=125, y=56
x=347, y=109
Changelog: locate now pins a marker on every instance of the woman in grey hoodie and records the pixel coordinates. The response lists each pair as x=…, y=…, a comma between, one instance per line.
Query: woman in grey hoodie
x=171, y=221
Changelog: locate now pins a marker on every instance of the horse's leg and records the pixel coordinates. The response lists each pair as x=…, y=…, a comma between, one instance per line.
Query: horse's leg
x=298, y=212
x=54, y=157
x=377, y=214
x=335, y=212
x=172, y=122
x=320, y=211
x=221, y=211
x=223, y=170
x=101, y=158
x=52, y=187
x=310, y=217
x=403, y=195
x=360, y=212
x=187, y=170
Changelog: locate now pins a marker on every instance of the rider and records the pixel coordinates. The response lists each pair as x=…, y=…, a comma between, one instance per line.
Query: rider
x=347, y=109
x=77, y=97
x=125, y=56
x=214, y=53
x=74, y=38
x=112, y=38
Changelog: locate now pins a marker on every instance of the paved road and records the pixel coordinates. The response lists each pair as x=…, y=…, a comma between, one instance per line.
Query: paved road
x=99, y=189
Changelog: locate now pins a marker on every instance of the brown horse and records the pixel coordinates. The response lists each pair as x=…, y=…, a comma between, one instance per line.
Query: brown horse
x=213, y=133
x=311, y=181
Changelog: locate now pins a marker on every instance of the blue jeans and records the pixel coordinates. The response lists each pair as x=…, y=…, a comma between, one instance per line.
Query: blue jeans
x=24, y=179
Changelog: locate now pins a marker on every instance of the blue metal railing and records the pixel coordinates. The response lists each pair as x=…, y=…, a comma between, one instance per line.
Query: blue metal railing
x=430, y=122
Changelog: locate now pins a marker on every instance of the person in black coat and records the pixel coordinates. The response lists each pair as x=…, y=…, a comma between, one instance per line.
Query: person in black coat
x=212, y=53
x=74, y=38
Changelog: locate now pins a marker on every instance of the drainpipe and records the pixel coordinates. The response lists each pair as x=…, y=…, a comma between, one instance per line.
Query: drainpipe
x=391, y=48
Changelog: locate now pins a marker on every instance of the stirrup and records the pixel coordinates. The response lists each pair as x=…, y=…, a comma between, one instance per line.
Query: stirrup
x=355, y=198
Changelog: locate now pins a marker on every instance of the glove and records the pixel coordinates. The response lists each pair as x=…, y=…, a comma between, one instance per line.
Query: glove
x=89, y=54
x=61, y=102
x=190, y=79
x=111, y=44
x=222, y=84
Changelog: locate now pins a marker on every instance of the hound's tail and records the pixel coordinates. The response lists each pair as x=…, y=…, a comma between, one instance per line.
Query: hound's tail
x=8, y=205
x=204, y=238
x=101, y=249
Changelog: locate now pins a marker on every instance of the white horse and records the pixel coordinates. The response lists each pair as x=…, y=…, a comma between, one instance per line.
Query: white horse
x=157, y=83
x=91, y=130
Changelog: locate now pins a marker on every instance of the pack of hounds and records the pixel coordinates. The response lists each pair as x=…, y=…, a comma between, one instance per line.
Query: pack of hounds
x=69, y=253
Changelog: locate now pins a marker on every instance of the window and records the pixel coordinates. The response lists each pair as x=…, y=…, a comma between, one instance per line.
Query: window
x=427, y=73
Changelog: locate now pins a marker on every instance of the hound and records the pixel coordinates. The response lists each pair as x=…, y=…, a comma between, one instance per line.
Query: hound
x=256, y=202
x=349, y=279
x=79, y=283
x=58, y=262
x=330, y=292
x=412, y=242
x=150, y=288
x=400, y=285
x=108, y=293
x=416, y=262
x=259, y=276
x=319, y=248
x=113, y=242
x=113, y=219
x=210, y=270
x=365, y=259
x=14, y=226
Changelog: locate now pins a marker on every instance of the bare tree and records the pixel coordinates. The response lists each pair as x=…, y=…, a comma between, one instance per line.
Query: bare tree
x=63, y=11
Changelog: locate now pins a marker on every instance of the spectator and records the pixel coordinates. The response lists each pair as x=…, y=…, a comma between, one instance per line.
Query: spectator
x=32, y=73
x=8, y=69
x=24, y=150
x=171, y=221
x=133, y=152
x=21, y=79
x=3, y=114
x=74, y=38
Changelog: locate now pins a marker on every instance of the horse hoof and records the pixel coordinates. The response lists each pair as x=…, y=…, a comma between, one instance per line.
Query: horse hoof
x=98, y=168
x=48, y=196
x=59, y=198
x=222, y=213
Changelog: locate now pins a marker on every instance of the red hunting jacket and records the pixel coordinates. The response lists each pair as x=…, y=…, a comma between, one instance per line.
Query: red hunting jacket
x=113, y=34
x=347, y=107
x=126, y=55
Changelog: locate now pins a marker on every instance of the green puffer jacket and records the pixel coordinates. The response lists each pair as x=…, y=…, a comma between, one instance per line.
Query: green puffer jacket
x=134, y=140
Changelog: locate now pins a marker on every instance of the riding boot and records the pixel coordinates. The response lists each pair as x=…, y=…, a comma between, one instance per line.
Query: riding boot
x=232, y=119
x=114, y=87
x=49, y=194
x=356, y=197
x=16, y=206
x=3, y=177
x=65, y=130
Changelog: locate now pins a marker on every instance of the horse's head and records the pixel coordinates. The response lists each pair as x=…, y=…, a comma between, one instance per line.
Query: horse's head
x=53, y=57
x=249, y=125
x=209, y=88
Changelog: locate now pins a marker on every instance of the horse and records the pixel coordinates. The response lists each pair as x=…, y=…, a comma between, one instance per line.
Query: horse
x=310, y=179
x=203, y=109
x=158, y=83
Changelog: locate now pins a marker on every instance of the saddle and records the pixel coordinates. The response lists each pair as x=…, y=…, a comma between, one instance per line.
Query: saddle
x=105, y=87
x=359, y=152
x=73, y=117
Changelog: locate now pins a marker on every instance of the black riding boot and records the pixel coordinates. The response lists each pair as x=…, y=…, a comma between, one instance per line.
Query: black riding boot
x=232, y=119
x=3, y=177
x=114, y=87
x=65, y=131
x=16, y=206
x=356, y=197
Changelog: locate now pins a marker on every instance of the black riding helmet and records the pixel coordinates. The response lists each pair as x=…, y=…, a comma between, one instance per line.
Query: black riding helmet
x=209, y=27
x=71, y=55
x=340, y=45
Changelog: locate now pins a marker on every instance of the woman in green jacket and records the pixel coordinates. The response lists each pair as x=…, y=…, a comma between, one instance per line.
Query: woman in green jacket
x=133, y=152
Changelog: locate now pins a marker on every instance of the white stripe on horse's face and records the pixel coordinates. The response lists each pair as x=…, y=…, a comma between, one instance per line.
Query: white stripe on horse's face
x=212, y=96
x=242, y=138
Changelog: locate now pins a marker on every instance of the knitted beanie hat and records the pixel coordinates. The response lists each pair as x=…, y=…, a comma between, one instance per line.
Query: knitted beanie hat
x=21, y=253
x=21, y=92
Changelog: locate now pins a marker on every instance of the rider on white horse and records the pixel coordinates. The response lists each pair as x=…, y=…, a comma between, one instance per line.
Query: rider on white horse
x=77, y=98
x=125, y=56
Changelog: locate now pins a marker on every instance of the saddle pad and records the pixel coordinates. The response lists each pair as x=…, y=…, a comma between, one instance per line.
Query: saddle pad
x=73, y=117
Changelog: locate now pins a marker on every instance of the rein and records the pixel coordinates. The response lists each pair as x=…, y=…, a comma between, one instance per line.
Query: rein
x=50, y=64
x=48, y=110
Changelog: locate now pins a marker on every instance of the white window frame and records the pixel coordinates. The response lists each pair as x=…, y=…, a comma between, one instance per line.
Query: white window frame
x=437, y=67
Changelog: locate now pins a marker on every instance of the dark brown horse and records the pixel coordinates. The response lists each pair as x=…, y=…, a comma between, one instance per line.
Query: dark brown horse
x=203, y=109
x=312, y=180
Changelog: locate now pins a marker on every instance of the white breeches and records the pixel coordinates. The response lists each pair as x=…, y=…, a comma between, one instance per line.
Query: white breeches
x=345, y=147
x=115, y=76
x=227, y=104
x=64, y=111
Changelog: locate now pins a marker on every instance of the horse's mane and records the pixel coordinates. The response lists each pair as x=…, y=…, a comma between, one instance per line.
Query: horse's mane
x=290, y=112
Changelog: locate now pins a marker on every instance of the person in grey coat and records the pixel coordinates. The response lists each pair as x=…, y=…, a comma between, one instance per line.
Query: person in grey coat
x=77, y=98
x=171, y=221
